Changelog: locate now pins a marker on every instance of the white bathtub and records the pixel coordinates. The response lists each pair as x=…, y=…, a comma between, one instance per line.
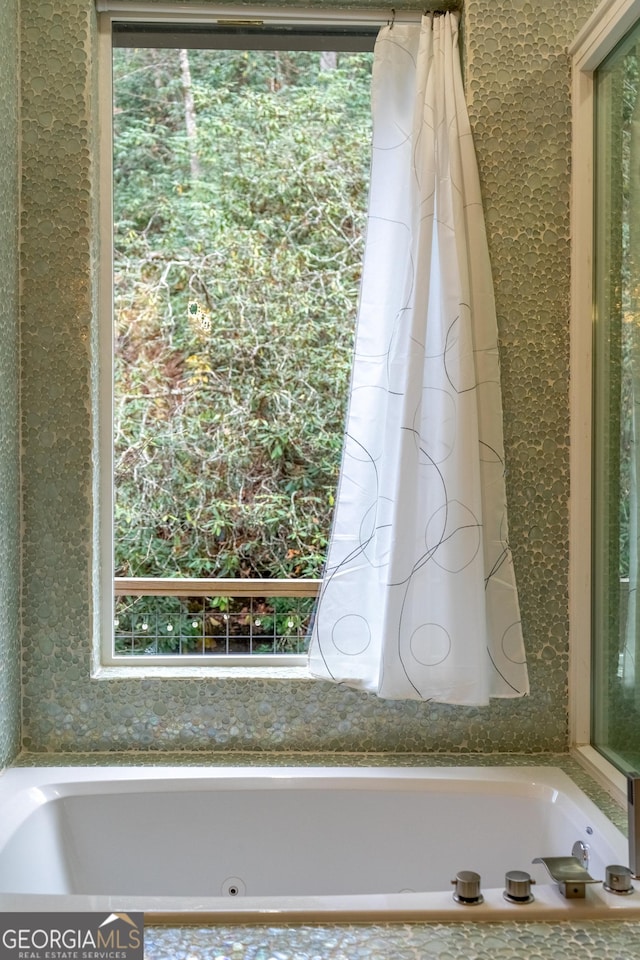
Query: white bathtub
x=278, y=844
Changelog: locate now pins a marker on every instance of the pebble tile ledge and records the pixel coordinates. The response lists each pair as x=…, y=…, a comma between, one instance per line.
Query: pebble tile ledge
x=605, y=940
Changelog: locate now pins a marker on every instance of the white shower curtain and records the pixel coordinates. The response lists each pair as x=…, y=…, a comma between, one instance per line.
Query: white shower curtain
x=418, y=599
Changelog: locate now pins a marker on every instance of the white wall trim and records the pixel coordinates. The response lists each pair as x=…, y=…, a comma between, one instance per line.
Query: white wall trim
x=103, y=441
x=180, y=12
x=580, y=398
x=603, y=30
x=603, y=772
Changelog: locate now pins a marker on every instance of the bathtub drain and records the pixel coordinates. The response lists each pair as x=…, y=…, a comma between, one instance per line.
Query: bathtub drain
x=233, y=887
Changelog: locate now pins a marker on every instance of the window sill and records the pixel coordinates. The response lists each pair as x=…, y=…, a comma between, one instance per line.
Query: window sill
x=217, y=672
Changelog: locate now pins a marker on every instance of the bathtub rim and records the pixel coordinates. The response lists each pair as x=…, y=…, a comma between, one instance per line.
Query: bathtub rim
x=548, y=906
x=25, y=789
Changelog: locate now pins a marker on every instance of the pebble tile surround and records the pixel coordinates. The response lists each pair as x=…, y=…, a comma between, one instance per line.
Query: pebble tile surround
x=517, y=77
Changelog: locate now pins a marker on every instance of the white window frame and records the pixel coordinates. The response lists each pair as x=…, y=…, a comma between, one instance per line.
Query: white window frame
x=607, y=26
x=105, y=662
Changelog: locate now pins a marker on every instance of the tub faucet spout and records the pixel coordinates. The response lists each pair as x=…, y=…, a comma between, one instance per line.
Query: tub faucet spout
x=633, y=813
x=569, y=874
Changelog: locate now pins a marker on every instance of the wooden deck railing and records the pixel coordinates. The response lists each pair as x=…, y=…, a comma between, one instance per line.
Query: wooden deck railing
x=256, y=617
x=221, y=587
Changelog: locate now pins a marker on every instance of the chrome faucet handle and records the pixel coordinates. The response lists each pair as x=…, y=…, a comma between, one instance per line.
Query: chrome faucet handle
x=618, y=880
x=467, y=884
x=569, y=874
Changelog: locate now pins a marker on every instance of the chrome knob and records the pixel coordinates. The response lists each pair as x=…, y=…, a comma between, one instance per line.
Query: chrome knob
x=467, y=884
x=518, y=886
x=617, y=879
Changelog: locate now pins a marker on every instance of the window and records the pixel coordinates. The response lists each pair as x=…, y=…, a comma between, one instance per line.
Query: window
x=234, y=191
x=616, y=689
x=605, y=687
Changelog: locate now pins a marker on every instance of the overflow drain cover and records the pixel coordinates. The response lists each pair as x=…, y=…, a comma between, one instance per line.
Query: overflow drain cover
x=233, y=887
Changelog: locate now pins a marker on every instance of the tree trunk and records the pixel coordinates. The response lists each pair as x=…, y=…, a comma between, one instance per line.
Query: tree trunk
x=328, y=60
x=189, y=114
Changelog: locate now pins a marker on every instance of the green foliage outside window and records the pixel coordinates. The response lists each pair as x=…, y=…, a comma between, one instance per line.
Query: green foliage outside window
x=240, y=184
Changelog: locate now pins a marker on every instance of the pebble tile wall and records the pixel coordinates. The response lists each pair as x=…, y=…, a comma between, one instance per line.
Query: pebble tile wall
x=517, y=74
x=9, y=415
x=520, y=109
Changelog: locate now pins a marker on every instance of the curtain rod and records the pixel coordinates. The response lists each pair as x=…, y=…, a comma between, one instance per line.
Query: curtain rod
x=186, y=11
